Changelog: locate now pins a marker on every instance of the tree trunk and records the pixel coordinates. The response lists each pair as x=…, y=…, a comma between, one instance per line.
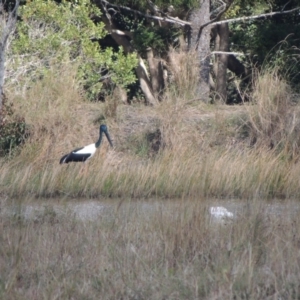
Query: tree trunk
x=2, y=71
x=198, y=17
x=156, y=73
x=122, y=40
x=222, y=62
x=145, y=83
x=8, y=22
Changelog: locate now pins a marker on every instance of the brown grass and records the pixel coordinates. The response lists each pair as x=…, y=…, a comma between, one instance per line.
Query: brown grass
x=177, y=149
x=274, y=119
x=173, y=250
x=170, y=251
x=184, y=75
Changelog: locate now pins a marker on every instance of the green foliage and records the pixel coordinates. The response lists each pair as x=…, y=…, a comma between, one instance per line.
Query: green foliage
x=246, y=8
x=146, y=32
x=158, y=38
x=13, y=129
x=268, y=42
x=52, y=33
x=143, y=4
x=285, y=58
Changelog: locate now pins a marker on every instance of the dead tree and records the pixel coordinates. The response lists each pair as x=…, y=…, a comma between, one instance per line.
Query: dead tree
x=8, y=19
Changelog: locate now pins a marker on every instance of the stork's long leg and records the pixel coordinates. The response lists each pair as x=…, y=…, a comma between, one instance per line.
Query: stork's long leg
x=84, y=169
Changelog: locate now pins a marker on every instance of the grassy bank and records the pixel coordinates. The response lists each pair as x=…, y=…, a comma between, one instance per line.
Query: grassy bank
x=180, y=148
x=229, y=174
x=173, y=253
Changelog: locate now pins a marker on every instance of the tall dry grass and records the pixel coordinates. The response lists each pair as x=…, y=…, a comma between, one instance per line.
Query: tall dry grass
x=174, y=173
x=274, y=119
x=205, y=150
x=184, y=75
x=165, y=252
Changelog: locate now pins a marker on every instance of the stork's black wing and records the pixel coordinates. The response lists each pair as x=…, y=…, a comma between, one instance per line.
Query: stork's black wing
x=73, y=156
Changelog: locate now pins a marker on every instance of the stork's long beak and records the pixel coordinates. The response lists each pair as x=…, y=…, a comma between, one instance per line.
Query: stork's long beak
x=108, y=138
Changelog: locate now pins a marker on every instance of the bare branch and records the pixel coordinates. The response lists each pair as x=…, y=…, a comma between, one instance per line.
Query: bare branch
x=219, y=10
x=122, y=32
x=285, y=5
x=165, y=18
x=212, y=22
x=227, y=53
x=255, y=17
x=180, y=22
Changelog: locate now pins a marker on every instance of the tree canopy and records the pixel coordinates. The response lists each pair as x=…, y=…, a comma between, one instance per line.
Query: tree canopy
x=52, y=33
x=56, y=32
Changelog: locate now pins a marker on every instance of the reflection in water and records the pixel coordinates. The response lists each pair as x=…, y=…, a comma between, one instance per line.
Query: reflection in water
x=91, y=210
x=220, y=212
x=85, y=210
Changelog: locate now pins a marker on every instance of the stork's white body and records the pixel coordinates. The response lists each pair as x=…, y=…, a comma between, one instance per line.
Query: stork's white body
x=89, y=149
x=84, y=153
x=80, y=154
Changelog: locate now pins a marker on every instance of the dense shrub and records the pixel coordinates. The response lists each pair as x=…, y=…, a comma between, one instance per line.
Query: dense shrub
x=51, y=34
x=13, y=129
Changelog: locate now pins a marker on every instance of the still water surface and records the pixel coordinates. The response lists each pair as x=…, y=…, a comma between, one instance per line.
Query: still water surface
x=91, y=210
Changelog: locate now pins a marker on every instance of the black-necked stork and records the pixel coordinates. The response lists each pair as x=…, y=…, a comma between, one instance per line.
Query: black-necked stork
x=84, y=153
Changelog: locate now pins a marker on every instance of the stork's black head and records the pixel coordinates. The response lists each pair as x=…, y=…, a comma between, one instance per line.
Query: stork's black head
x=103, y=128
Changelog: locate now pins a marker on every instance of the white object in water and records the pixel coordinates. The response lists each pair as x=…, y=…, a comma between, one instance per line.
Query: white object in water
x=220, y=212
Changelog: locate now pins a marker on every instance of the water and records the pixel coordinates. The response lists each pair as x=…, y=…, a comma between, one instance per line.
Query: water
x=90, y=210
